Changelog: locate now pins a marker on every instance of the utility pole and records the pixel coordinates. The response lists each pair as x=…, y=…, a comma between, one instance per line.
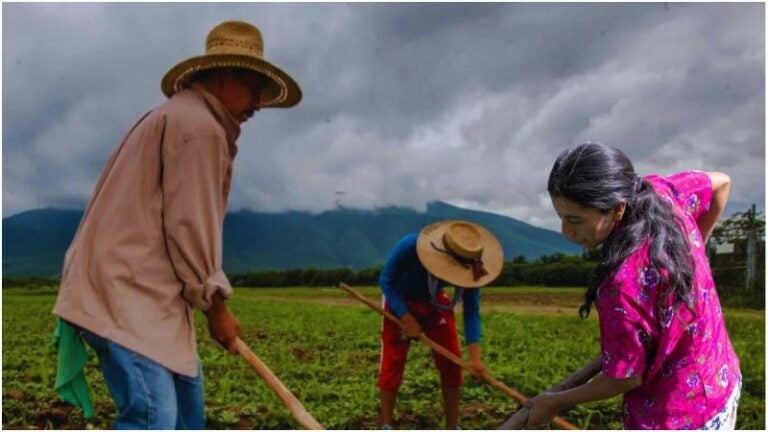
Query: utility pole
x=751, y=248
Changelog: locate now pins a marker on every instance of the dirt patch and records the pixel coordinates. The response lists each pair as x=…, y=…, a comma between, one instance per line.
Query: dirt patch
x=363, y=423
x=362, y=357
x=539, y=299
x=244, y=423
x=547, y=304
x=532, y=309
x=472, y=409
x=303, y=355
x=410, y=419
x=255, y=334
x=55, y=416
x=520, y=303
x=16, y=394
x=483, y=415
x=314, y=300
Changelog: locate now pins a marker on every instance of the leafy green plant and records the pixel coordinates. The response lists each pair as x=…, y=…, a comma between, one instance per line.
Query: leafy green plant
x=325, y=348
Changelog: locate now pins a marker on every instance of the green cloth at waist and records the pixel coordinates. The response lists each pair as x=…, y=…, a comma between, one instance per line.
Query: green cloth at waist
x=70, y=371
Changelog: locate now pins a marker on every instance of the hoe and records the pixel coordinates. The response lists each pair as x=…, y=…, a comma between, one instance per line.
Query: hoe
x=519, y=421
x=301, y=415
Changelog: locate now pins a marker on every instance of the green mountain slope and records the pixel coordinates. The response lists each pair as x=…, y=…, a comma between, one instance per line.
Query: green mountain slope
x=34, y=242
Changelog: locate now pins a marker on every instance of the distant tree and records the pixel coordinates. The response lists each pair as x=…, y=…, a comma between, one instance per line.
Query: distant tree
x=740, y=273
x=549, y=259
x=29, y=281
x=736, y=227
x=520, y=259
x=591, y=254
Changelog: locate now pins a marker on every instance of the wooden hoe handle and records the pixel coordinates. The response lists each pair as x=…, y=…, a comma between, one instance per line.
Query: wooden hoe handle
x=301, y=415
x=514, y=394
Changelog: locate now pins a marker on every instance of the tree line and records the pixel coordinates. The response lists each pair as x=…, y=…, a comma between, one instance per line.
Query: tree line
x=549, y=270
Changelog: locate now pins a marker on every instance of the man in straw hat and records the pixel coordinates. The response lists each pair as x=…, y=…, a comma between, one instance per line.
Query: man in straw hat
x=450, y=252
x=149, y=246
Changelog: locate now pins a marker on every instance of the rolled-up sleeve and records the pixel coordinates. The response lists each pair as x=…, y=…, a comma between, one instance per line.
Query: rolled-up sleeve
x=403, y=252
x=694, y=190
x=472, y=328
x=194, y=203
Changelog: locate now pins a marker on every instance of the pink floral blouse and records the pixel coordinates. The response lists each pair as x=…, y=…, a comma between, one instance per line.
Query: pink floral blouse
x=686, y=361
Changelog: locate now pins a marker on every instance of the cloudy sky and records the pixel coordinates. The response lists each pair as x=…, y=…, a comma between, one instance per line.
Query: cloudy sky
x=403, y=103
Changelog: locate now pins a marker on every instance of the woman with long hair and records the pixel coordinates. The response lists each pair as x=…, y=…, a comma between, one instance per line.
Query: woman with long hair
x=663, y=340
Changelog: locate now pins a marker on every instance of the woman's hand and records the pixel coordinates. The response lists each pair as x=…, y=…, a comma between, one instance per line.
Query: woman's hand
x=543, y=408
x=548, y=404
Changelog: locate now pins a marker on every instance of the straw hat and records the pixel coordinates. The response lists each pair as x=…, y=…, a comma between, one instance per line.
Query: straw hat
x=236, y=44
x=460, y=253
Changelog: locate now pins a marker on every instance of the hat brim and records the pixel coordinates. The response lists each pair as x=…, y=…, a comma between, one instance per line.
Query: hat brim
x=449, y=270
x=281, y=91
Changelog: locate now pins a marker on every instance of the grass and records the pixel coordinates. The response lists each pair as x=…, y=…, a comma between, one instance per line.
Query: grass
x=325, y=348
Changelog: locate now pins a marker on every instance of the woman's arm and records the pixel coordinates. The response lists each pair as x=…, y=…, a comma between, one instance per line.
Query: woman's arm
x=520, y=418
x=721, y=187
x=600, y=387
x=546, y=405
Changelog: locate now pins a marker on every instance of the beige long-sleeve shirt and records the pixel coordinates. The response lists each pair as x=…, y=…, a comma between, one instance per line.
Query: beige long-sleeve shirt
x=149, y=246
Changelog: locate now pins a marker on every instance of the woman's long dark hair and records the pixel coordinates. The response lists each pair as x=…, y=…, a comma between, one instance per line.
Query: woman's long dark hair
x=600, y=177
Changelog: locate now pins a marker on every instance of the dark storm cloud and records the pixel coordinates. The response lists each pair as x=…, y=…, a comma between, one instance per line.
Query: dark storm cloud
x=403, y=103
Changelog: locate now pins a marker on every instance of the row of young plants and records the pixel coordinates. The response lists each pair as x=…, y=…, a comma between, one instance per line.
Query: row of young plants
x=327, y=353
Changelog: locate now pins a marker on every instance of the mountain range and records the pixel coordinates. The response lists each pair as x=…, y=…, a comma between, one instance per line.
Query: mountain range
x=34, y=242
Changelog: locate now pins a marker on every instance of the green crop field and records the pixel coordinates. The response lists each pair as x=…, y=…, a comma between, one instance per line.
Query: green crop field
x=324, y=346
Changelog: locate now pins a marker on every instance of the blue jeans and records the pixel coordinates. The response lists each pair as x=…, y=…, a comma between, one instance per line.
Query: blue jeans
x=147, y=394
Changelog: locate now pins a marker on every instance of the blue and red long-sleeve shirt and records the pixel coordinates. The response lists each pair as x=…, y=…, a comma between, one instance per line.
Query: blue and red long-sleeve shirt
x=404, y=277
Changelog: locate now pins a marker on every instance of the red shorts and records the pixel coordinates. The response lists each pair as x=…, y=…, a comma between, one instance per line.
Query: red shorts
x=438, y=325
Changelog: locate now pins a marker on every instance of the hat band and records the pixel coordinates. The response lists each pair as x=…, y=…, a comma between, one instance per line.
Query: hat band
x=188, y=72
x=476, y=264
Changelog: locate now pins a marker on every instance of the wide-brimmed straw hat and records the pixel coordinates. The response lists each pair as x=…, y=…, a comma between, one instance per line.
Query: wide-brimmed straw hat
x=460, y=253
x=236, y=44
